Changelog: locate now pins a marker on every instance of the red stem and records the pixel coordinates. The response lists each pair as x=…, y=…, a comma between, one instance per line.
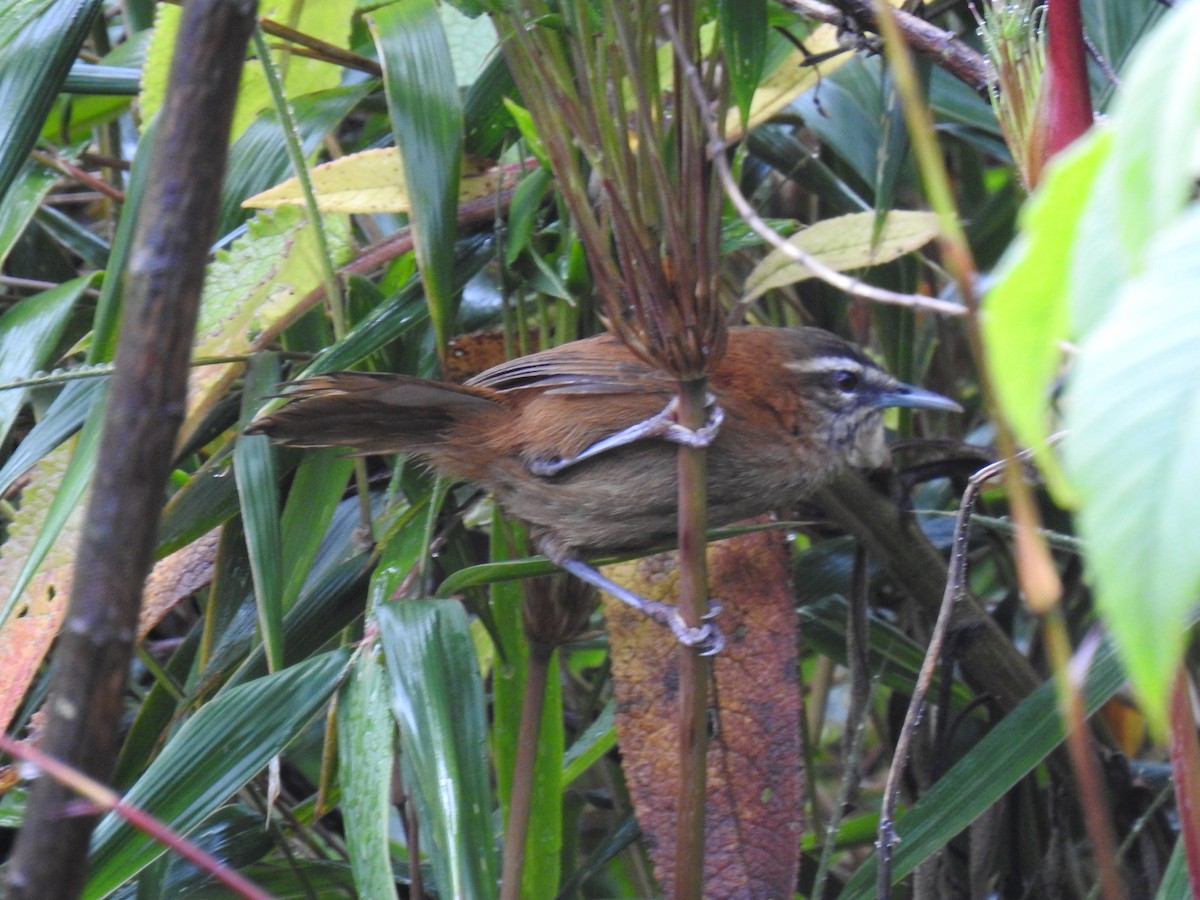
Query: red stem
x=1185, y=764
x=1066, y=99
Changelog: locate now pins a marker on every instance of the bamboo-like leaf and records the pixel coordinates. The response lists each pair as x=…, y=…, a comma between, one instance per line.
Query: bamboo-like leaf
x=426, y=111
x=29, y=332
x=258, y=489
x=229, y=741
x=316, y=491
x=437, y=698
x=38, y=43
x=365, y=757
x=543, y=846
x=599, y=738
x=29, y=188
x=744, y=29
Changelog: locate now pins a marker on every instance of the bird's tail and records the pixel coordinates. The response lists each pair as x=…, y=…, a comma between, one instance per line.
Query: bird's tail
x=370, y=413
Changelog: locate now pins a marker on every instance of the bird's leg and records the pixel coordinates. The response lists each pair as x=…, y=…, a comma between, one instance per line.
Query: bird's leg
x=664, y=425
x=706, y=637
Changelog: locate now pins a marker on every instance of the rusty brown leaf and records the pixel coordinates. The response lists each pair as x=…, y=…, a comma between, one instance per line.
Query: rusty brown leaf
x=755, y=775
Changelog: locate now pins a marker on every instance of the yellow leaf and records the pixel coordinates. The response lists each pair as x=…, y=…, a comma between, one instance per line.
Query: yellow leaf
x=844, y=242
x=373, y=182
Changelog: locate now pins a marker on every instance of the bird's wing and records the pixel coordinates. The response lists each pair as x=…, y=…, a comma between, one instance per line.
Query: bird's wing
x=599, y=365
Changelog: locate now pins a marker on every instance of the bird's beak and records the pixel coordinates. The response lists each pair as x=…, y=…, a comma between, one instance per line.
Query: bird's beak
x=915, y=397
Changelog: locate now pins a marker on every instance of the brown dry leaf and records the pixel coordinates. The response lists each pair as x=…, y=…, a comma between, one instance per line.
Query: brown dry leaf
x=176, y=577
x=755, y=774
x=32, y=626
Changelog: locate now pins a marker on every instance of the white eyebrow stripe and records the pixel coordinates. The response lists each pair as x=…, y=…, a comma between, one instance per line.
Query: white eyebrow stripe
x=824, y=364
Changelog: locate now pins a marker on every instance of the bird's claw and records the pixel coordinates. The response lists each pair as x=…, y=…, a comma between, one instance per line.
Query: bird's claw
x=706, y=639
x=663, y=425
x=668, y=427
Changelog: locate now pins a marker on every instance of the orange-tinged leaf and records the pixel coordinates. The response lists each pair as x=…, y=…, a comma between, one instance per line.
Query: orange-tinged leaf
x=33, y=624
x=755, y=776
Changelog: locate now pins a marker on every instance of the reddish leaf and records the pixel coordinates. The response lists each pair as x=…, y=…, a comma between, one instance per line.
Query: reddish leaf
x=755, y=776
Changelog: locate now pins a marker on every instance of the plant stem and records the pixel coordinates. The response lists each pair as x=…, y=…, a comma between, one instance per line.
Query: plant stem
x=694, y=668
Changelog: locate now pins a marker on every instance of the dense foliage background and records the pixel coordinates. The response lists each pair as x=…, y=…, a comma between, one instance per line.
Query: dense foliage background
x=297, y=719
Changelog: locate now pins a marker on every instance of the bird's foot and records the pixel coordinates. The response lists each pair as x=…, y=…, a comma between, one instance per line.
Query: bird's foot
x=664, y=425
x=705, y=637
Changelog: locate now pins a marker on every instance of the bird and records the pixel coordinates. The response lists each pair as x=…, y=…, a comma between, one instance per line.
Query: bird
x=578, y=440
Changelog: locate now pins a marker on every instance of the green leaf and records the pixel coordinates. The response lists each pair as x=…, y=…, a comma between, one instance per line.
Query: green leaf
x=1133, y=453
x=25, y=196
x=29, y=332
x=426, y=111
x=1025, y=317
x=437, y=698
x=209, y=759
x=71, y=488
x=38, y=43
x=599, y=738
x=316, y=491
x=541, y=873
x=990, y=769
x=329, y=20
x=258, y=490
x=844, y=242
x=1154, y=148
x=365, y=757
x=744, y=29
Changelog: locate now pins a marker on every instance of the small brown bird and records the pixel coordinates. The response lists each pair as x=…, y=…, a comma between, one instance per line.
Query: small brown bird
x=576, y=440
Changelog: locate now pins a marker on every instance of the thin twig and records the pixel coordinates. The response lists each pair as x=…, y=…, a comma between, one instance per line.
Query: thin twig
x=956, y=585
x=321, y=50
x=856, y=716
x=853, y=286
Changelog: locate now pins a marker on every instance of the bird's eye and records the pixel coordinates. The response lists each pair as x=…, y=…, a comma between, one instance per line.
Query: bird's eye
x=845, y=380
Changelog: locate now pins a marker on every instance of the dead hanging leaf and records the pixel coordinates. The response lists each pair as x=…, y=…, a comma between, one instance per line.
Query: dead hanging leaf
x=842, y=243
x=755, y=773
x=372, y=181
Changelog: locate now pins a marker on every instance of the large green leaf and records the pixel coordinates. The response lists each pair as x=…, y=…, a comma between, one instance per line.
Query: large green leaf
x=1154, y=150
x=426, y=110
x=437, y=698
x=229, y=741
x=1025, y=318
x=1133, y=453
